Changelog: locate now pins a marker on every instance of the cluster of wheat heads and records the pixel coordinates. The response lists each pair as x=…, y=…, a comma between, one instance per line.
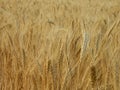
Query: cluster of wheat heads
x=59, y=45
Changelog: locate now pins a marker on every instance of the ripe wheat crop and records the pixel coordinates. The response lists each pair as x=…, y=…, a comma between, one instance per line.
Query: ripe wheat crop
x=59, y=45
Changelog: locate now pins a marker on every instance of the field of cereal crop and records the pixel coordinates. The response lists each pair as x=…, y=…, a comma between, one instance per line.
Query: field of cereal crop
x=59, y=45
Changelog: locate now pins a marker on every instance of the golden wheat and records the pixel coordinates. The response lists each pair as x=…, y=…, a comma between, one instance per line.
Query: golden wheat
x=59, y=45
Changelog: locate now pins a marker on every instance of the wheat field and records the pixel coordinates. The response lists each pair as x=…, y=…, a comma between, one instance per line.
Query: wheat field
x=59, y=44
